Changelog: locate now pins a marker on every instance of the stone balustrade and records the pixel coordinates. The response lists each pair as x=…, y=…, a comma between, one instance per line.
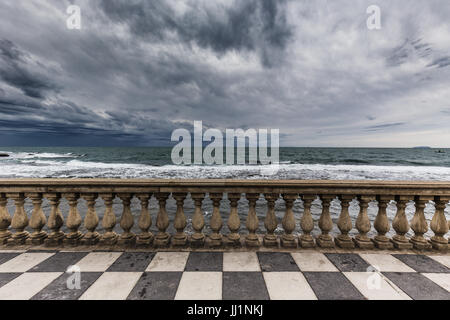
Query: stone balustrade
x=223, y=233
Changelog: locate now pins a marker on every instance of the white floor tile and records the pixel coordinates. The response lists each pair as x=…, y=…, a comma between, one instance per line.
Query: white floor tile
x=112, y=286
x=200, y=286
x=441, y=279
x=97, y=261
x=385, y=262
x=24, y=261
x=445, y=260
x=27, y=285
x=168, y=261
x=288, y=286
x=240, y=261
x=375, y=286
x=313, y=261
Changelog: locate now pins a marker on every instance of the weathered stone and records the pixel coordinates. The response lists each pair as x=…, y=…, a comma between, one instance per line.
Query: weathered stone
x=381, y=224
x=180, y=237
x=127, y=238
x=270, y=222
x=344, y=224
x=288, y=239
x=162, y=239
x=234, y=222
x=109, y=237
x=363, y=225
x=215, y=238
x=419, y=224
x=55, y=221
x=305, y=240
x=145, y=238
x=401, y=225
x=252, y=240
x=198, y=221
x=325, y=223
x=19, y=220
x=5, y=220
x=73, y=238
x=90, y=221
x=439, y=225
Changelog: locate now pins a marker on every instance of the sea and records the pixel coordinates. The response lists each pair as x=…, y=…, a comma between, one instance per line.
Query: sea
x=414, y=164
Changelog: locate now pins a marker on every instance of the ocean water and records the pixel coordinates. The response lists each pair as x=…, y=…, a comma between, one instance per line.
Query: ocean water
x=295, y=163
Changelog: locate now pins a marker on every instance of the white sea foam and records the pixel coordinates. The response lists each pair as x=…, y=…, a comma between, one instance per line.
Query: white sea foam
x=75, y=168
x=32, y=155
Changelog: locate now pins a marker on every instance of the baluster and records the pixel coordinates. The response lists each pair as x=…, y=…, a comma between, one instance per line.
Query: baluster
x=234, y=222
x=419, y=223
x=325, y=223
x=109, y=237
x=180, y=238
x=162, y=239
x=381, y=224
x=145, y=238
x=127, y=238
x=215, y=238
x=363, y=224
x=19, y=220
x=307, y=223
x=5, y=220
x=270, y=222
x=252, y=240
x=439, y=225
x=288, y=222
x=55, y=221
x=90, y=221
x=73, y=220
x=401, y=225
x=345, y=224
x=37, y=221
x=198, y=221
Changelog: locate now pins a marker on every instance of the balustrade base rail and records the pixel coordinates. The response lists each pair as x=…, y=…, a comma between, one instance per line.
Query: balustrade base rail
x=13, y=233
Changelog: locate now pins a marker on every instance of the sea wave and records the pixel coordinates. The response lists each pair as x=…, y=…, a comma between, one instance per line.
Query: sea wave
x=33, y=155
x=84, y=169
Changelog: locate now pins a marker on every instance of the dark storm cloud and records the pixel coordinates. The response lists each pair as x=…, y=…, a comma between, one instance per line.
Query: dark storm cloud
x=441, y=62
x=14, y=71
x=137, y=70
x=385, y=125
x=247, y=25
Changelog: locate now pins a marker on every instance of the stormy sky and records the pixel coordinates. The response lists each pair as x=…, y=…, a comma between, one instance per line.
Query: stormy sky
x=137, y=70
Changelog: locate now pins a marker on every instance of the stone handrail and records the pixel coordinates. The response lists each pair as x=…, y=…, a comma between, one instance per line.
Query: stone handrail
x=290, y=190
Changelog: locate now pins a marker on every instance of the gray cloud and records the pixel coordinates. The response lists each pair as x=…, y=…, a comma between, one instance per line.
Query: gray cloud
x=139, y=69
x=247, y=25
x=15, y=71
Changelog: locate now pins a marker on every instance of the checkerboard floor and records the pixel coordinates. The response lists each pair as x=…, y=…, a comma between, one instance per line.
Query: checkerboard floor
x=307, y=275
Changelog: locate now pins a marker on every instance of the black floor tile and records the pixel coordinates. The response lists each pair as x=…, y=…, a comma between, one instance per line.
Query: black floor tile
x=348, y=262
x=332, y=286
x=417, y=286
x=277, y=261
x=7, y=277
x=205, y=261
x=5, y=256
x=132, y=261
x=59, y=262
x=244, y=286
x=156, y=286
x=422, y=263
x=63, y=287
